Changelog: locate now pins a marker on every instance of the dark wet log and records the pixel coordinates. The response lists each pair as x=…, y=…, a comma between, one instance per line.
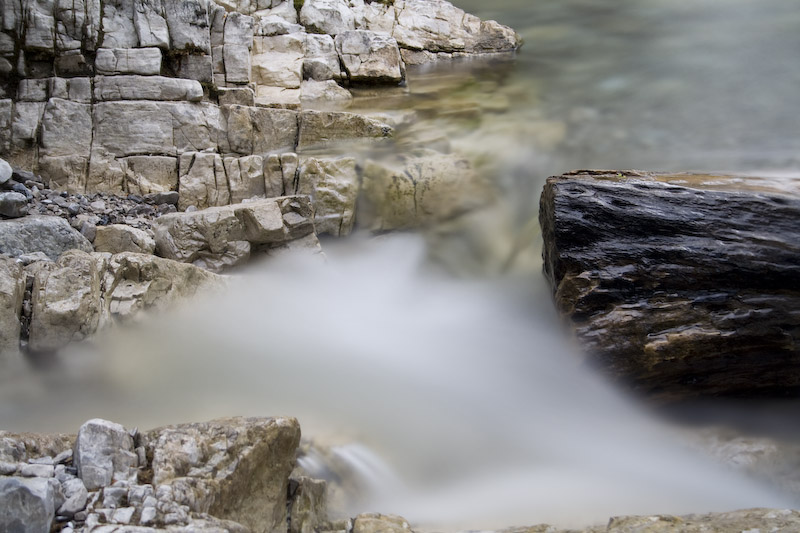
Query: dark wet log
x=680, y=285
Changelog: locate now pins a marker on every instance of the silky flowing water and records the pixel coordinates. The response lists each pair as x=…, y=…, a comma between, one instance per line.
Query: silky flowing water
x=433, y=362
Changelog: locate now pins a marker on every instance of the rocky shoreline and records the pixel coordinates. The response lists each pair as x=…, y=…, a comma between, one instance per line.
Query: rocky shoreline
x=231, y=475
x=149, y=148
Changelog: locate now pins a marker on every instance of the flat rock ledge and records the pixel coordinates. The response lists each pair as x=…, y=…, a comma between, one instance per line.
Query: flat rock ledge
x=230, y=475
x=679, y=285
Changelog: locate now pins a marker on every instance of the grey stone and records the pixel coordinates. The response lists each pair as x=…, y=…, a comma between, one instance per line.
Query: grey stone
x=123, y=515
x=253, y=130
x=66, y=129
x=245, y=177
x=236, y=96
x=6, y=112
x=319, y=128
x=26, y=505
x=5, y=172
x=117, y=238
x=289, y=166
x=188, y=24
x=154, y=128
x=141, y=61
x=273, y=176
x=8, y=469
x=160, y=198
x=138, y=282
x=271, y=25
x=104, y=453
x=75, y=89
x=309, y=508
x=151, y=27
x=63, y=457
x=370, y=57
x=76, y=497
x=249, y=460
x=439, y=26
x=76, y=24
x=40, y=233
x=32, y=90
x=13, y=204
x=195, y=67
x=117, y=24
x=380, y=523
x=72, y=63
x=237, y=63
x=202, y=180
x=207, y=237
x=113, y=497
x=327, y=16
x=420, y=189
x=333, y=186
x=324, y=95
x=107, y=88
x=12, y=291
x=25, y=122
x=146, y=175
x=321, y=61
x=66, y=301
x=40, y=26
x=34, y=470
x=278, y=61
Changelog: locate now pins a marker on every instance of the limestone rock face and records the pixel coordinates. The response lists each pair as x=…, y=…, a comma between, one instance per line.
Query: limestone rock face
x=278, y=60
x=104, y=453
x=220, y=237
x=324, y=95
x=321, y=61
x=333, y=186
x=136, y=282
x=141, y=61
x=370, y=57
x=439, y=26
x=661, y=276
x=327, y=16
x=117, y=238
x=26, y=505
x=65, y=301
x=12, y=291
x=321, y=128
x=107, y=88
x=412, y=191
x=40, y=233
x=234, y=469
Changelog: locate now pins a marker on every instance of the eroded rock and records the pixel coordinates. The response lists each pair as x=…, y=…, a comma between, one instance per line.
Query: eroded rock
x=220, y=237
x=40, y=233
x=661, y=276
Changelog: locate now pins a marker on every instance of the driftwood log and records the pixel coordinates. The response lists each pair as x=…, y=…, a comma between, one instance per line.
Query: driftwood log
x=680, y=285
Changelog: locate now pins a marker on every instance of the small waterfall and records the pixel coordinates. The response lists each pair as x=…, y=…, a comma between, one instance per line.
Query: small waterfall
x=467, y=405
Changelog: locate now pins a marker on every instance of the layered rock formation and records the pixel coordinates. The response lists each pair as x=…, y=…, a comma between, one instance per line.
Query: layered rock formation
x=145, y=96
x=680, y=284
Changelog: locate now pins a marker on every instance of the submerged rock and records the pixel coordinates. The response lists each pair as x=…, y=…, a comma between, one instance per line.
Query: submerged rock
x=680, y=285
x=416, y=190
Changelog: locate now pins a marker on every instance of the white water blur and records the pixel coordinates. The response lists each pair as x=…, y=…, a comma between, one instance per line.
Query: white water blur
x=467, y=390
